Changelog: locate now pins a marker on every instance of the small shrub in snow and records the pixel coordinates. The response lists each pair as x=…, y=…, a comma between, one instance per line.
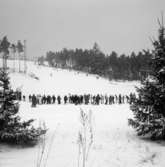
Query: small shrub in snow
x=85, y=137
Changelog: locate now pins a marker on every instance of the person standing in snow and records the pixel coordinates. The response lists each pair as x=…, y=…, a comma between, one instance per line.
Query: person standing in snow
x=120, y=99
x=59, y=99
x=34, y=101
x=65, y=99
x=53, y=99
x=30, y=98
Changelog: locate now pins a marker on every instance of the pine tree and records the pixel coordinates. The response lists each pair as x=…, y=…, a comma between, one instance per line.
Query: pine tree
x=4, y=49
x=12, y=129
x=149, y=106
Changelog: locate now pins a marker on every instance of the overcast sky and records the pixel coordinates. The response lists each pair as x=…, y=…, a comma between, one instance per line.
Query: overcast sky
x=119, y=25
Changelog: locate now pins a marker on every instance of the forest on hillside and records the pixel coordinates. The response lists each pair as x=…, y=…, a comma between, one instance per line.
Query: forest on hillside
x=94, y=61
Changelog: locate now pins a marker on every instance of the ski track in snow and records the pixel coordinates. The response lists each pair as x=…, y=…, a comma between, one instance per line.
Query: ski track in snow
x=115, y=143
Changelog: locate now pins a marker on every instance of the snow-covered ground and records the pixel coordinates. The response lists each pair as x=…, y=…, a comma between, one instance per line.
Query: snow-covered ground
x=115, y=143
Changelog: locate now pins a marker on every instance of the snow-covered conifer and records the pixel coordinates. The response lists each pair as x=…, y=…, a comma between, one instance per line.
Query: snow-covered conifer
x=149, y=107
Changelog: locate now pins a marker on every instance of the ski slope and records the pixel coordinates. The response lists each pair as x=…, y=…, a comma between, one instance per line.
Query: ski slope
x=57, y=81
x=115, y=144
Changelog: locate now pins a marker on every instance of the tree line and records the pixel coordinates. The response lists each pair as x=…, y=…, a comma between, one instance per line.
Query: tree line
x=94, y=61
x=14, y=51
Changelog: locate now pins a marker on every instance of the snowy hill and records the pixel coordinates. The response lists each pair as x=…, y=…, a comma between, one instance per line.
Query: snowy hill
x=114, y=143
x=57, y=81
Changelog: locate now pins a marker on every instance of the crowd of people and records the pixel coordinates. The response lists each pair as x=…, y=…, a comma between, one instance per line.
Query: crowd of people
x=79, y=99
